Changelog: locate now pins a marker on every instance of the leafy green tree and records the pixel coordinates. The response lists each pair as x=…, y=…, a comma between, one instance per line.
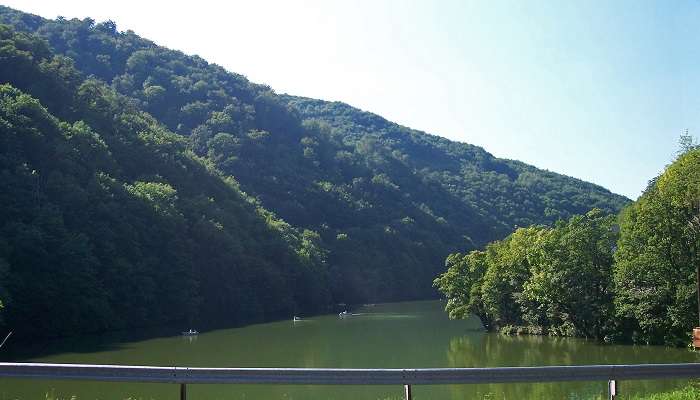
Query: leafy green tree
x=462, y=284
x=554, y=280
x=657, y=257
x=571, y=267
x=490, y=283
x=504, y=280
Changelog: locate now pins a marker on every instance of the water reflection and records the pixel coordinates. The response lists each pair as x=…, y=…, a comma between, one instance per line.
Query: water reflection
x=190, y=338
x=492, y=350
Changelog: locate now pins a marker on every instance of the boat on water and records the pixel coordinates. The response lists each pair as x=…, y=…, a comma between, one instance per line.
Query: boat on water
x=344, y=314
x=296, y=318
x=190, y=333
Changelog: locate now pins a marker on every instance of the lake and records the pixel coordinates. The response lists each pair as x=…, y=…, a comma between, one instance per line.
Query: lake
x=397, y=335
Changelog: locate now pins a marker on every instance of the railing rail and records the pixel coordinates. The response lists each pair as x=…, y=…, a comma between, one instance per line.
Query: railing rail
x=334, y=376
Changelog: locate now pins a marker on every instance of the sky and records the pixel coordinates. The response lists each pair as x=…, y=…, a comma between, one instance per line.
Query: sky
x=598, y=90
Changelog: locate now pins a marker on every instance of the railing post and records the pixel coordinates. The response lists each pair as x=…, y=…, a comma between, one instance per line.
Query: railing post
x=612, y=389
x=183, y=391
x=407, y=392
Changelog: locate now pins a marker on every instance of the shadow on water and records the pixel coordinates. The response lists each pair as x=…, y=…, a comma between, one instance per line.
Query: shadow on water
x=18, y=349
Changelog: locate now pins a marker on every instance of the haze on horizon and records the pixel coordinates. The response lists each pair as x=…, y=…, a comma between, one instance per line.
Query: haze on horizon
x=596, y=90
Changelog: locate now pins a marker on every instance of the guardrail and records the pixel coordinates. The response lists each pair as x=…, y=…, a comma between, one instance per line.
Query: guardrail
x=333, y=376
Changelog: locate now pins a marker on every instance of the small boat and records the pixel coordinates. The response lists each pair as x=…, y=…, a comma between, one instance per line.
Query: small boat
x=296, y=318
x=344, y=314
x=190, y=333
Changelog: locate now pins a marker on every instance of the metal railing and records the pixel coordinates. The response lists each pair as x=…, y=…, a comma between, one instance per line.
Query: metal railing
x=333, y=376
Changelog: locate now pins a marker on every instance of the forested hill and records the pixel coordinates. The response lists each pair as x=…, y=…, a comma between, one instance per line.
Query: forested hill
x=107, y=221
x=510, y=193
x=266, y=204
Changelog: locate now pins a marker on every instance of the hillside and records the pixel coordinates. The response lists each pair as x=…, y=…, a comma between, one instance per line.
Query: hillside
x=109, y=222
x=506, y=192
x=360, y=209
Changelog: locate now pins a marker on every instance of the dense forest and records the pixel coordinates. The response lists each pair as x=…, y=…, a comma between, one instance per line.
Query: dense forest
x=626, y=277
x=109, y=221
x=143, y=186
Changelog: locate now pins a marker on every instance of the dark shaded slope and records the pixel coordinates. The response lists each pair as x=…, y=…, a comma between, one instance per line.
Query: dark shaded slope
x=108, y=222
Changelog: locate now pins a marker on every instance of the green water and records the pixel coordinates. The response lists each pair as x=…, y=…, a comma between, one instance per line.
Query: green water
x=399, y=335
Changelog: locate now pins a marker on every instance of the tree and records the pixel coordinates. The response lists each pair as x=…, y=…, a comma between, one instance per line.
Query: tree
x=571, y=268
x=655, y=262
x=504, y=280
x=462, y=283
x=686, y=143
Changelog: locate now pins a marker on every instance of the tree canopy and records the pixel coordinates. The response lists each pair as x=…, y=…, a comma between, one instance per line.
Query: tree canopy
x=626, y=277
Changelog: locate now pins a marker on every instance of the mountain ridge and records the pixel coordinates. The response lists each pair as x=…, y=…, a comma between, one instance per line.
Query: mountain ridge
x=292, y=97
x=357, y=208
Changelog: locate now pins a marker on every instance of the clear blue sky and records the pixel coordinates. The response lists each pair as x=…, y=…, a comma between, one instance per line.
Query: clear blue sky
x=599, y=90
